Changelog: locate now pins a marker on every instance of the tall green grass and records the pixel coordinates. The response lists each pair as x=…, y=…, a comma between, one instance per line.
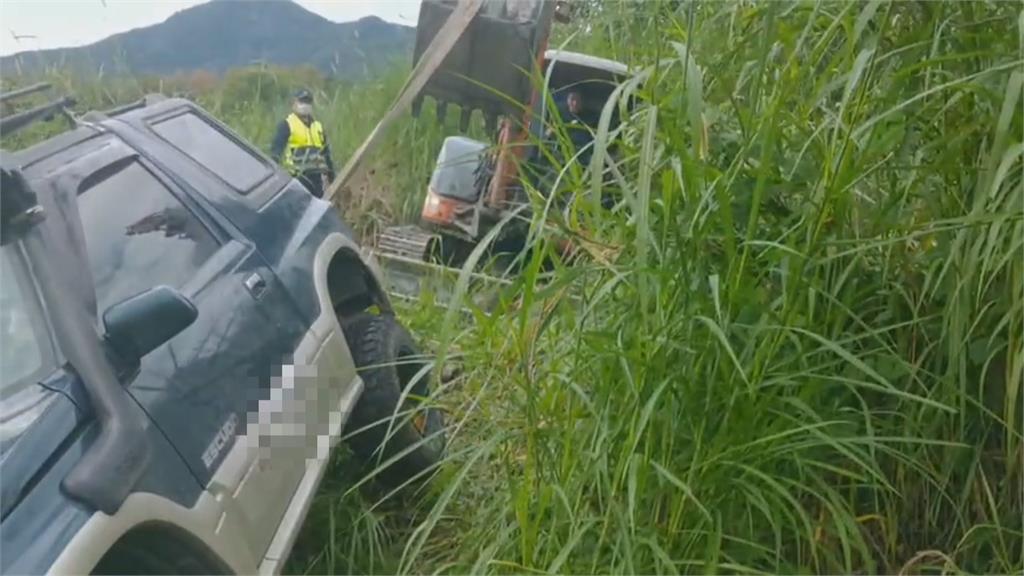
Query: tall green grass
x=794, y=346
x=805, y=355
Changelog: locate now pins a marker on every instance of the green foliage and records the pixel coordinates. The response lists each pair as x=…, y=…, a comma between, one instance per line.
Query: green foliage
x=795, y=344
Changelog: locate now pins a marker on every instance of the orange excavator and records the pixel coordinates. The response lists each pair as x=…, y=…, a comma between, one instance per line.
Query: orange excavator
x=493, y=68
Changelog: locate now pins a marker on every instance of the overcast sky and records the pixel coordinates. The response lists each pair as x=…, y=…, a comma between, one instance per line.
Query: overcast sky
x=59, y=23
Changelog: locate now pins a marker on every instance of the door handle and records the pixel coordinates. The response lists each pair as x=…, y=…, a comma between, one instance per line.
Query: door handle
x=256, y=285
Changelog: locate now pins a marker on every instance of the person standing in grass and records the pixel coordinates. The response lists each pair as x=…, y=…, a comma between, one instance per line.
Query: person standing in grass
x=300, y=146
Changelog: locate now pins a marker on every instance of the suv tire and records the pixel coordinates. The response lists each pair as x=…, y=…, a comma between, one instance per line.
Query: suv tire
x=388, y=360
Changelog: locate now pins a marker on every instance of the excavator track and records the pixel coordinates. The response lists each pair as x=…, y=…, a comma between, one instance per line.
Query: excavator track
x=404, y=254
x=405, y=241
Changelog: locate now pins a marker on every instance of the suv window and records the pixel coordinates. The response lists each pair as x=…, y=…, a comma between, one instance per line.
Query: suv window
x=229, y=160
x=24, y=344
x=138, y=235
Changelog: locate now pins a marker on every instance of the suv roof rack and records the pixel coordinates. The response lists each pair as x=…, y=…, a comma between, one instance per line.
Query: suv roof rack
x=11, y=123
x=38, y=87
x=14, y=122
x=147, y=100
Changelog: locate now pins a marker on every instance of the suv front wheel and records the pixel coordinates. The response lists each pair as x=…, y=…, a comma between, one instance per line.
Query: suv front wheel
x=384, y=425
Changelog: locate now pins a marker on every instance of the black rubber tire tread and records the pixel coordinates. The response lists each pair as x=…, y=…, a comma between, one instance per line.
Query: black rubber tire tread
x=377, y=343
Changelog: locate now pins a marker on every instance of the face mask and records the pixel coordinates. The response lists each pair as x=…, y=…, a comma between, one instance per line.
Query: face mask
x=303, y=109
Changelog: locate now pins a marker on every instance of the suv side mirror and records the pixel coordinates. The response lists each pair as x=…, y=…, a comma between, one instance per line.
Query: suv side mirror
x=136, y=326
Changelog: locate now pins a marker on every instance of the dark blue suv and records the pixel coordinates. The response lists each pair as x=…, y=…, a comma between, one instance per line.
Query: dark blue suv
x=186, y=332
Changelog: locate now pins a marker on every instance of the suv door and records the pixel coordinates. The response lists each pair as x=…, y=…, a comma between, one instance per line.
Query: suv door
x=203, y=387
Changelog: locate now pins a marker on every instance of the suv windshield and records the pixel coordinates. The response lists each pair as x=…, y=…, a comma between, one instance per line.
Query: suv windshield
x=21, y=338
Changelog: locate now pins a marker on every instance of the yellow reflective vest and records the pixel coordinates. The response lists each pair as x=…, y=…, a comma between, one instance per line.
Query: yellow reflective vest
x=305, y=145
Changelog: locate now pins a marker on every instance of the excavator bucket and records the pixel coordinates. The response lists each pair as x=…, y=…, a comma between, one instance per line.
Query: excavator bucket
x=488, y=68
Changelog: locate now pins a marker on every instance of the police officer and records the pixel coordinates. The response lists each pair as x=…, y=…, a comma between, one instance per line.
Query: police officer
x=300, y=145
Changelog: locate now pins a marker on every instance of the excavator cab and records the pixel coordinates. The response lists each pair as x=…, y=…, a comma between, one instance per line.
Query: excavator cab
x=591, y=80
x=592, y=77
x=468, y=191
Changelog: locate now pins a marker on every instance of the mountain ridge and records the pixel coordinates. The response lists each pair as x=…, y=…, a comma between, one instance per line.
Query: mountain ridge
x=224, y=34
